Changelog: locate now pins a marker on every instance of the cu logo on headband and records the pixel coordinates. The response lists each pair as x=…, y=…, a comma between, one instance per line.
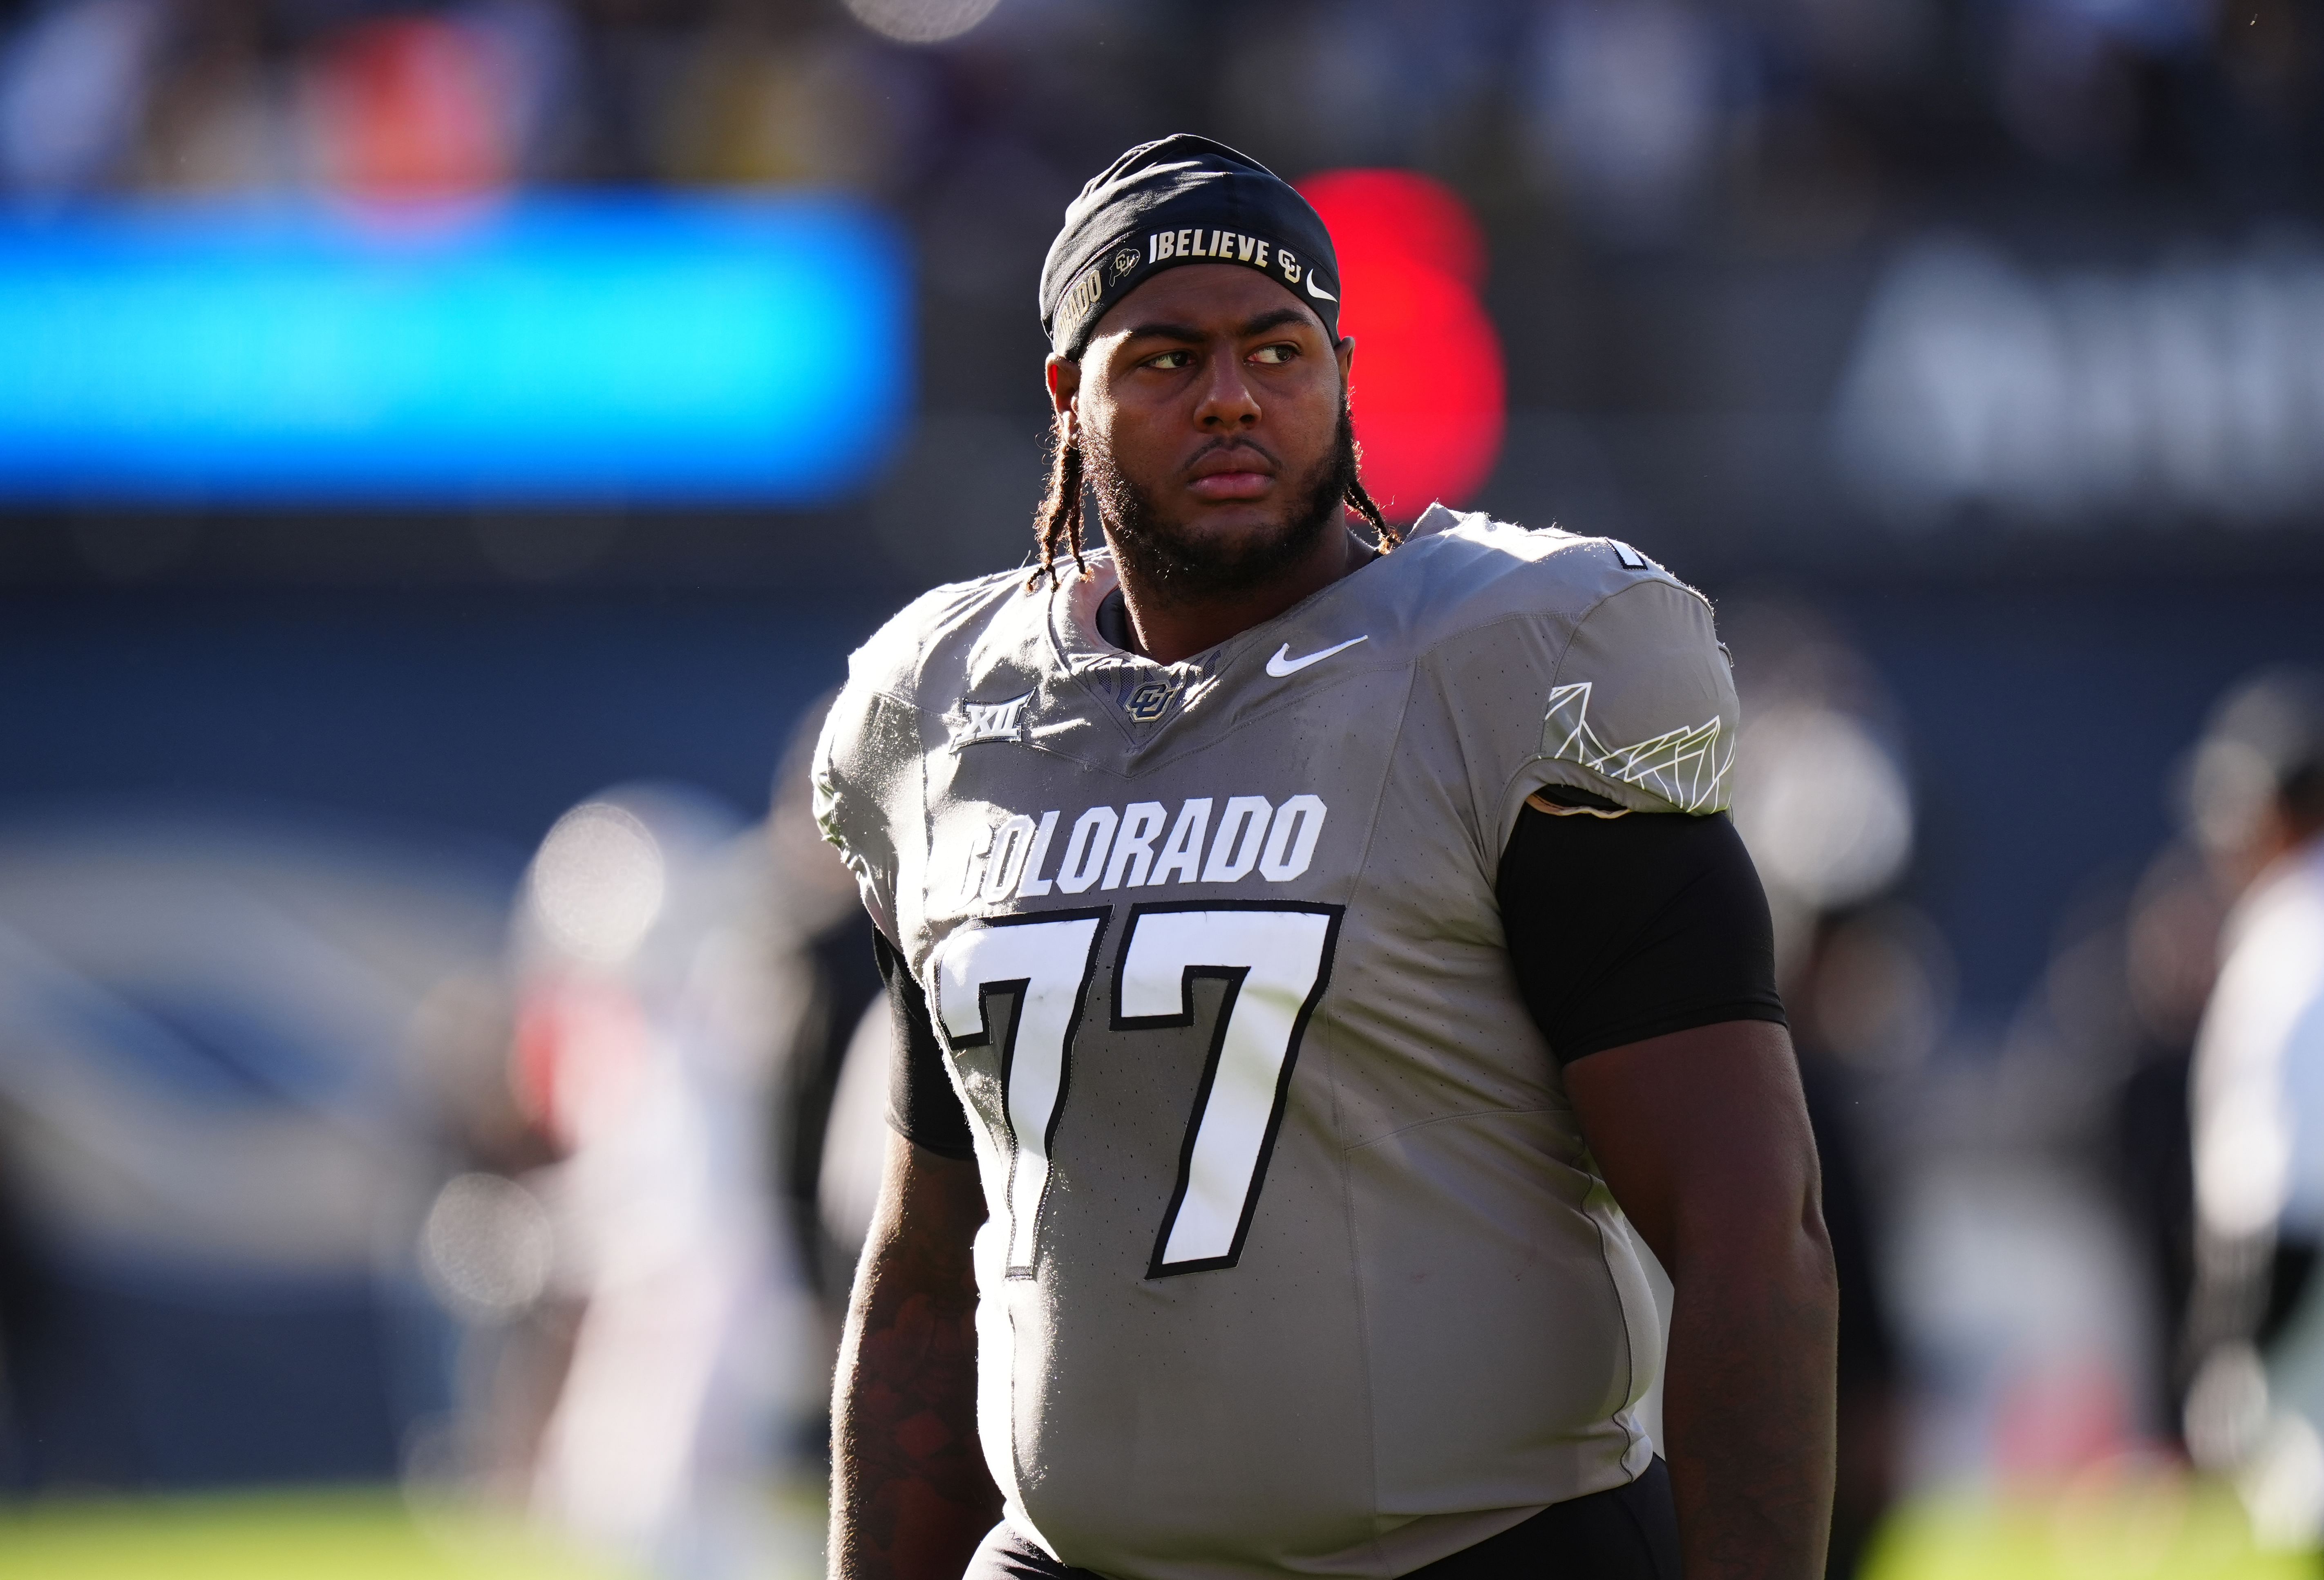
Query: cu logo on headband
x=1124, y=262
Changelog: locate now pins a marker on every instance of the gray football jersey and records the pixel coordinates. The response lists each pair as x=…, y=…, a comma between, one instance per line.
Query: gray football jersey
x=1296, y=1258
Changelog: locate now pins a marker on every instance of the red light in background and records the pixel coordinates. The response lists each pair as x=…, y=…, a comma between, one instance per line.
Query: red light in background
x=410, y=108
x=1429, y=393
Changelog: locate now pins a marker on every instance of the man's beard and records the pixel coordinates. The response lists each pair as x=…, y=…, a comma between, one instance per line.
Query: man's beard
x=1180, y=568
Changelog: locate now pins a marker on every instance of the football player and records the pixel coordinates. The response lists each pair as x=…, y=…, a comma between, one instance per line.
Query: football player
x=1318, y=963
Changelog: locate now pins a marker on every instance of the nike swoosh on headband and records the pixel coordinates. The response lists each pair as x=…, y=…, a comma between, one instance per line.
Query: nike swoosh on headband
x=1316, y=291
x=1283, y=664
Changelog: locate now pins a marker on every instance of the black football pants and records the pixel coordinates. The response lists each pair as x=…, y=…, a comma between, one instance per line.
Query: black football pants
x=1629, y=1533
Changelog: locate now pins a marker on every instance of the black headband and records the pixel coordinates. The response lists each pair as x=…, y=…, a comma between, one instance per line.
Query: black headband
x=1184, y=200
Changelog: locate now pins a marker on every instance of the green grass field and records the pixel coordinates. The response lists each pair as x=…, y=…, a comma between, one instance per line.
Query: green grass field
x=307, y=1535
x=2155, y=1529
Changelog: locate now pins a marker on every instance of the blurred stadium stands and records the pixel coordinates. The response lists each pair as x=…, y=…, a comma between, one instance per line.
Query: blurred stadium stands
x=1970, y=351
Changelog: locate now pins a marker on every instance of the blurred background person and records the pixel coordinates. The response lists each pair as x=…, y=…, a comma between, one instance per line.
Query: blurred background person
x=647, y=1257
x=1822, y=801
x=833, y=1103
x=2257, y=785
x=658, y=979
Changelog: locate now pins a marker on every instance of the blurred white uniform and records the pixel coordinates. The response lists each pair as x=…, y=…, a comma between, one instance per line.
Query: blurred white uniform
x=2259, y=1062
x=2259, y=1100
x=654, y=1002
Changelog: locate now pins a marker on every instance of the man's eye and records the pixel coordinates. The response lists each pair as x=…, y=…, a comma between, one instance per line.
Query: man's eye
x=1280, y=352
x=1171, y=361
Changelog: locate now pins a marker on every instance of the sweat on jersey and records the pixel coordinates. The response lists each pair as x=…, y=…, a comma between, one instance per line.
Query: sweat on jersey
x=1296, y=1258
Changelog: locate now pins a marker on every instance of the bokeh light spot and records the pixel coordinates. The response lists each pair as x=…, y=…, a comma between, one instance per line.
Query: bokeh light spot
x=1825, y=811
x=486, y=1247
x=597, y=884
x=409, y=107
x=1429, y=391
x=921, y=21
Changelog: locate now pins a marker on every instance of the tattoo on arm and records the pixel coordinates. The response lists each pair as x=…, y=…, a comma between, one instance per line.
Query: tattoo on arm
x=910, y=1494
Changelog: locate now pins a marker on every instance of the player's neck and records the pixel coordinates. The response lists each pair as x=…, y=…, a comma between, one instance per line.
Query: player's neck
x=1167, y=629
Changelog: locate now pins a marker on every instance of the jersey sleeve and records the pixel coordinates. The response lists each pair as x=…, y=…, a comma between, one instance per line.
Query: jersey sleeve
x=1640, y=708
x=1611, y=683
x=1625, y=927
x=866, y=777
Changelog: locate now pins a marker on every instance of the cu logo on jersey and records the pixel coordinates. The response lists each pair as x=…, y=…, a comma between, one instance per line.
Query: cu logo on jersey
x=1150, y=701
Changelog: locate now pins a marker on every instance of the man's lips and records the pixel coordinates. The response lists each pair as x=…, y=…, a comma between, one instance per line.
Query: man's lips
x=1224, y=485
x=1232, y=474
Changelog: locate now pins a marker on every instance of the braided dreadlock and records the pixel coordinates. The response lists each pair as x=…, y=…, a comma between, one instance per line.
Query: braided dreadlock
x=1057, y=523
x=1358, y=499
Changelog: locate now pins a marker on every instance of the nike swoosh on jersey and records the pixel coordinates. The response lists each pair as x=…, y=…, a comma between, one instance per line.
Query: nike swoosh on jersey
x=1317, y=291
x=1283, y=664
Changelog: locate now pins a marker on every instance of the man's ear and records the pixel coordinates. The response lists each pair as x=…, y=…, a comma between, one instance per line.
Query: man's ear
x=1346, y=352
x=1064, y=375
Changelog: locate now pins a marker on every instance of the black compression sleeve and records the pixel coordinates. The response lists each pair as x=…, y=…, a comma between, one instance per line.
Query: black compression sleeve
x=922, y=1106
x=1622, y=929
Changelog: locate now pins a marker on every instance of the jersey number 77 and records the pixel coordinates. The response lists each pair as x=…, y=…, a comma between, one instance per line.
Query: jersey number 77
x=1275, y=960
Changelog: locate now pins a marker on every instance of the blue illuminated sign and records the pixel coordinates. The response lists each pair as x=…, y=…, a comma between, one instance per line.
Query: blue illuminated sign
x=562, y=350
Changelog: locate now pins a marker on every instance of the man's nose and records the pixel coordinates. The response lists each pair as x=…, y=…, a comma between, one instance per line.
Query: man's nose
x=1228, y=400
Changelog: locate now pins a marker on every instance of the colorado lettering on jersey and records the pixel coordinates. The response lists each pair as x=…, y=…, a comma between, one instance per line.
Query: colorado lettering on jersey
x=1144, y=844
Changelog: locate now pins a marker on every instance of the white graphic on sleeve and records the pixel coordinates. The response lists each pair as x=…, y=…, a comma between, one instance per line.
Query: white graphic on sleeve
x=1275, y=960
x=1283, y=664
x=1008, y=855
x=1684, y=767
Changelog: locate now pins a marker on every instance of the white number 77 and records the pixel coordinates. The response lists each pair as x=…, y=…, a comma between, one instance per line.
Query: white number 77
x=1275, y=958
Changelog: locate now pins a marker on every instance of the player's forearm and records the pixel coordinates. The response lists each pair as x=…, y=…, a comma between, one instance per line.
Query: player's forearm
x=910, y=1495
x=1747, y=1408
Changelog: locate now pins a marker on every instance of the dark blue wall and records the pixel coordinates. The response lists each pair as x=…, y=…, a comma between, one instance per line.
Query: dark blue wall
x=482, y=711
x=2044, y=718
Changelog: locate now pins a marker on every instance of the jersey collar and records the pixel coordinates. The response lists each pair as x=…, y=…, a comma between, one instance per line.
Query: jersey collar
x=1141, y=696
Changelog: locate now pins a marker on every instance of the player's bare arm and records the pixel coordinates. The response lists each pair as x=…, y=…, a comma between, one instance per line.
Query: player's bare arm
x=1703, y=1136
x=910, y=1495
x=1658, y=995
